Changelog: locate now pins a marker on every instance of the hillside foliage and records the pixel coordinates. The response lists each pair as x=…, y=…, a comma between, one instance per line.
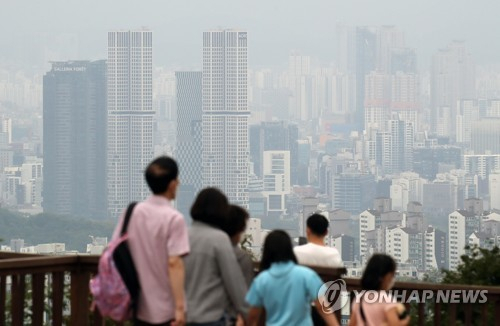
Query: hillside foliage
x=48, y=228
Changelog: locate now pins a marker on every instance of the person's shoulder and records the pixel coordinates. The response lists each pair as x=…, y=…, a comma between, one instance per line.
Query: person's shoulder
x=261, y=277
x=171, y=218
x=304, y=270
x=149, y=207
x=330, y=250
x=302, y=248
x=171, y=211
x=207, y=231
x=175, y=214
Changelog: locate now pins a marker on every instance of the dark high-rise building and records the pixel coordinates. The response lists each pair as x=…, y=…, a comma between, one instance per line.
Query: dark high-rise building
x=369, y=50
x=274, y=136
x=189, y=132
x=403, y=60
x=366, y=61
x=74, y=139
x=452, y=79
x=427, y=160
x=345, y=245
x=353, y=191
x=303, y=160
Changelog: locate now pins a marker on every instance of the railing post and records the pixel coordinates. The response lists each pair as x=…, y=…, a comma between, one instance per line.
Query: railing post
x=2, y=300
x=453, y=314
x=37, y=286
x=17, y=303
x=79, y=296
x=497, y=309
x=484, y=313
x=57, y=297
x=468, y=314
x=421, y=311
x=437, y=313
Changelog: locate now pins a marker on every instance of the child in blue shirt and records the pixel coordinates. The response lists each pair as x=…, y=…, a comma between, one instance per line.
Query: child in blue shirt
x=284, y=289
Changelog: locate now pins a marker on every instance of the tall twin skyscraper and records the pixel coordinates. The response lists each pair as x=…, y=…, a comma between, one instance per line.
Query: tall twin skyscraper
x=225, y=154
x=212, y=120
x=98, y=125
x=130, y=116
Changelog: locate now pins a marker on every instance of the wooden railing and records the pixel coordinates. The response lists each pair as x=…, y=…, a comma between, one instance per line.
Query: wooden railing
x=54, y=290
x=43, y=288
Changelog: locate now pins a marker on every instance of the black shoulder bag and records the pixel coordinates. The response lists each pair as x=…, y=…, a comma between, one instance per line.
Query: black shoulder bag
x=125, y=264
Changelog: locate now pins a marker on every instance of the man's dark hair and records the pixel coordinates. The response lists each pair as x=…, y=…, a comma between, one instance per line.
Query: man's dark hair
x=211, y=206
x=237, y=220
x=378, y=266
x=318, y=224
x=160, y=173
x=277, y=248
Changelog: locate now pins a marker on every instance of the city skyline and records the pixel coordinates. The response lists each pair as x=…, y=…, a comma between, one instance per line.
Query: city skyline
x=387, y=151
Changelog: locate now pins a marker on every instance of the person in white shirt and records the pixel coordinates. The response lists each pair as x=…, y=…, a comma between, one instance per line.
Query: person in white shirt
x=315, y=253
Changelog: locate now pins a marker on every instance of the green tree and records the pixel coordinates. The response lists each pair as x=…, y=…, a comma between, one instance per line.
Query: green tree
x=433, y=276
x=479, y=266
x=48, y=228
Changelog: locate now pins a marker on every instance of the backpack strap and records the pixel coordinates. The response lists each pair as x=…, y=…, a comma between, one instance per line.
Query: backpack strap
x=126, y=220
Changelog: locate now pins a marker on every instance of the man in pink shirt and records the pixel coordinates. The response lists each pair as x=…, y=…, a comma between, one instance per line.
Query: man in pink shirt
x=158, y=239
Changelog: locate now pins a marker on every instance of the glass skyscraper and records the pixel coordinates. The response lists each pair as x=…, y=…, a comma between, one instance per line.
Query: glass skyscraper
x=188, y=155
x=74, y=139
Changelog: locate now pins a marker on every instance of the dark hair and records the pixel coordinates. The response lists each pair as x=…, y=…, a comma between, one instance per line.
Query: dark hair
x=277, y=248
x=160, y=173
x=211, y=206
x=378, y=266
x=318, y=224
x=237, y=220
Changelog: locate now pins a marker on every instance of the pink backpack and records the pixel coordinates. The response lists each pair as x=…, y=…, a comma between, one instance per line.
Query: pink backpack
x=116, y=286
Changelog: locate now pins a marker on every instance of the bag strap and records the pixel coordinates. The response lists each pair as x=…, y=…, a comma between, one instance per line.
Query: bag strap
x=126, y=220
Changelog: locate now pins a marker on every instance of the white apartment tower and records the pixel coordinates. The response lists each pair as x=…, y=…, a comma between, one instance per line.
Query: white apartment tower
x=130, y=116
x=276, y=171
x=494, y=190
x=461, y=224
x=225, y=113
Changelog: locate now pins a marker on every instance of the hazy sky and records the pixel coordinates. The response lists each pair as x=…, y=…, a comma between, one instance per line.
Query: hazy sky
x=275, y=26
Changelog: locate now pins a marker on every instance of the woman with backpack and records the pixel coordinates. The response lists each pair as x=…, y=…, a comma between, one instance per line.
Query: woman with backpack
x=376, y=307
x=284, y=289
